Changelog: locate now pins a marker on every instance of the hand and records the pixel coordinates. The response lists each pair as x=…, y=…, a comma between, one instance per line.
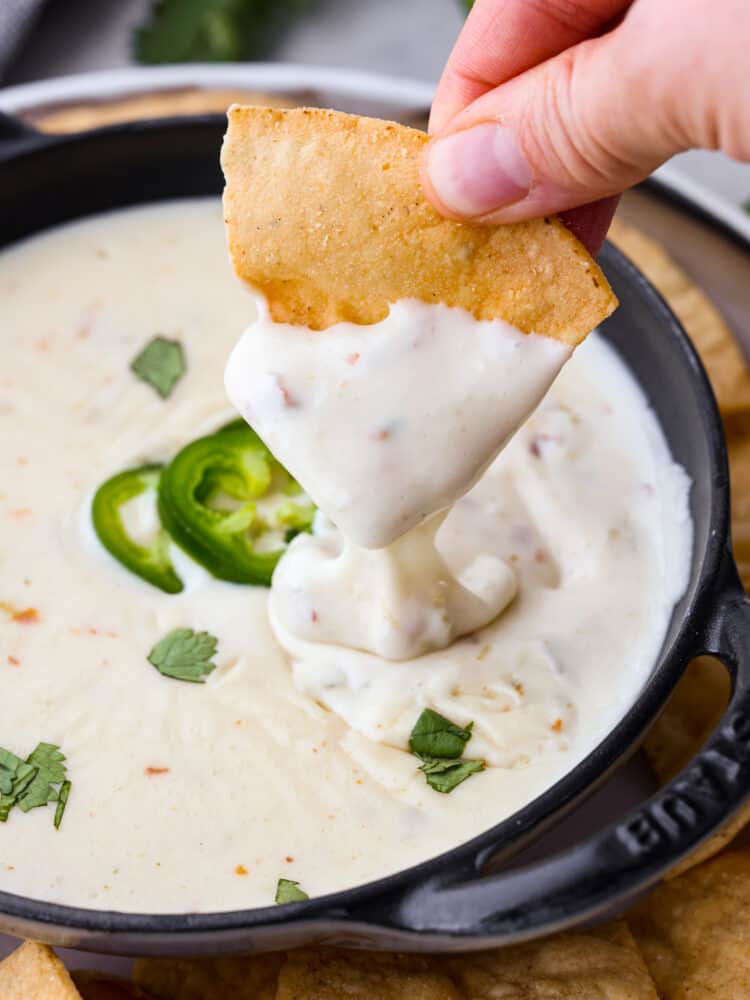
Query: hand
x=547, y=105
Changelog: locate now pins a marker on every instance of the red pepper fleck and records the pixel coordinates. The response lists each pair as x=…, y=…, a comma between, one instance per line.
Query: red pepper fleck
x=557, y=726
x=14, y=661
x=379, y=435
x=84, y=330
x=313, y=615
x=286, y=395
x=352, y=359
x=540, y=556
x=289, y=859
x=29, y=616
x=156, y=770
x=241, y=870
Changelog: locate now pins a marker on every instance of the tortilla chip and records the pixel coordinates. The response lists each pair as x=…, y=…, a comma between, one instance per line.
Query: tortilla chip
x=599, y=964
x=251, y=978
x=712, y=337
x=331, y=975
x=326, y=216
x=34, y=972
x=98, y=986
x=154, y=104
x=694, y=931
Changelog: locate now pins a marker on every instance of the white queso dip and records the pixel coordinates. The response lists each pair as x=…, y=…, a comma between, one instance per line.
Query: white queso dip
x=529, y=615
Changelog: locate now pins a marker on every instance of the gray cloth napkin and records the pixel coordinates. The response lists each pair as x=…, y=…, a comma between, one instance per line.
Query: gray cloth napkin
x=17, y=18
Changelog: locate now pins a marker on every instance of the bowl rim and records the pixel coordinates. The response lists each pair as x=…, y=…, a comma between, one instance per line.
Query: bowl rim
x=277, y=78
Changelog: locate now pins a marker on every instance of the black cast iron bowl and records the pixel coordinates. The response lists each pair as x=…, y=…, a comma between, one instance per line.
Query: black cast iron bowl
x=459, y=900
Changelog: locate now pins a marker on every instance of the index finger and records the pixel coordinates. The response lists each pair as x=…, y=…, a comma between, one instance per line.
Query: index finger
x=502, y=38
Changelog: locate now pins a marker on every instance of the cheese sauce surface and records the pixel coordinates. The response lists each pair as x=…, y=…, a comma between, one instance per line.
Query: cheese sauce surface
x=291, y=760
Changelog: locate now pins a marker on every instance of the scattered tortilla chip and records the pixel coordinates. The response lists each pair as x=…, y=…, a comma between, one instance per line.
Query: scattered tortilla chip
x=332, y=975
x=326, y=216
x=715, y=342
x=34, y=972
x=99, y=986
x=599, y=964
x=251, y=978
x=155, y=104
x=694, y=931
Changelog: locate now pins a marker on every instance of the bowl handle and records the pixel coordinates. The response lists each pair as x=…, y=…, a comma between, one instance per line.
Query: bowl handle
x=614, y=865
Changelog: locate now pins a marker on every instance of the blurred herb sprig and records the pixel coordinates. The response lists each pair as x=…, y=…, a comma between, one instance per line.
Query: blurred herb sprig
x=211, y=30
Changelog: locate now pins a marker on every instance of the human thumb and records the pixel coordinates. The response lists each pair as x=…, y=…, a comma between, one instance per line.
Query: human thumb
x=579, y=127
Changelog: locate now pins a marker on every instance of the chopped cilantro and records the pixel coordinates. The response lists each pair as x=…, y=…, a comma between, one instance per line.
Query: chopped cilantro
x=161, y=364
x=439, y=743
x=50, y=770
x=444, y=775
x=211, y=30
x=62, y=801
x=185, y=655
x=32, y=783
x=288, y=891
x=435, y=736
x=9, y=765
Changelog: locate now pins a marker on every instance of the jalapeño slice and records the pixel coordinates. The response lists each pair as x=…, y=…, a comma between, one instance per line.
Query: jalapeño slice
x=209, y=498
x=151, y=562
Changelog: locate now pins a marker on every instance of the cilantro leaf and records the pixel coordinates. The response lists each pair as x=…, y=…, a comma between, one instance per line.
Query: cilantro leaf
x=15, y=776
x=9, y=765
x=50, y=770
x=31, y=783
x=444, y=775
x=185, y=655
x=435, y=736
x=210, y=30
x=746, y=206
x=161, y=364
x=62, y=801
x=288, y=891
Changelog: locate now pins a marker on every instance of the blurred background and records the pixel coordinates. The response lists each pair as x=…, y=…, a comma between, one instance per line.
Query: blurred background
x=407, y=38
x=42, y=38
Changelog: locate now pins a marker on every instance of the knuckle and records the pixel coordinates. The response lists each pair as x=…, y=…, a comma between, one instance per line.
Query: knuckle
x=565, y=132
